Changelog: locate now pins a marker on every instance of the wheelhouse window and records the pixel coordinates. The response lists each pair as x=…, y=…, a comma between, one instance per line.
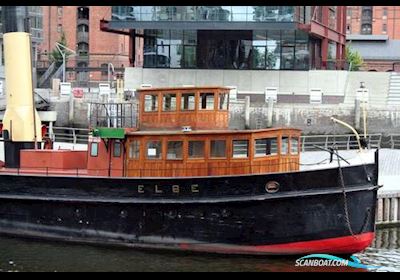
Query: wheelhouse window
x=294, y=146
x=266, y=147
x=223, y=101
x=196, y=149
x=169, y=102
x=117, y=149
x=240, y=148
x=134, y=149
x=151, y=103
x=94, y=149
x=206, y=101
x=187, y=101
x=218, y=148
x=285, y=146
x=174, y=150
x=154, y=150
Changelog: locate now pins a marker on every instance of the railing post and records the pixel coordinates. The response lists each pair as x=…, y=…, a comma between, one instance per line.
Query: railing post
x=348, y=142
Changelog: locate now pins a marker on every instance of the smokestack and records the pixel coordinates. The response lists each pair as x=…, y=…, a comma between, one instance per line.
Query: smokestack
x=21, y=123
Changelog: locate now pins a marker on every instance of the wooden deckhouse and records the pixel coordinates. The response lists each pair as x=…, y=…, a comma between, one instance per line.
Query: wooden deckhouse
x=183, y=132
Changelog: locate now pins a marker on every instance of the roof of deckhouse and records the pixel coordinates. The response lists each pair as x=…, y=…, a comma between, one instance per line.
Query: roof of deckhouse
x=204, y=132
x=183, y=88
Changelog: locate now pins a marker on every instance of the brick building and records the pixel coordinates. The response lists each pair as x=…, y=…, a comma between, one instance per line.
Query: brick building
x=374, y=20
x=95, y=50
x=374, y=31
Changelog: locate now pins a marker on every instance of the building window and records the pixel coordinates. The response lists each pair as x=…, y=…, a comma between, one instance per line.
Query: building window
x=83, y=49
x=384, y=28
x=59, y=28
x=285, y=146
x=83, y=13
x=174, y=150
x=218, y=148
x=366, y=29
x=265, y=147
x=332, y=17
x=151, y=103
x=154, y=150
x=169, y=102
x=117, y=149
x=104, y=69
x=206, y=101
x=59, y=11
x=134, y=149
x=384, y=12
x=240, y=148
x=94, y=149
x=187, y=101
x=196, y=149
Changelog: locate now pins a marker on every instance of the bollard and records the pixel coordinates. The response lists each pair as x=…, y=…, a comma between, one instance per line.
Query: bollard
x=394, y=209
x=379, y=213
x=270, y=111
x=386, y=210
x=357, y=114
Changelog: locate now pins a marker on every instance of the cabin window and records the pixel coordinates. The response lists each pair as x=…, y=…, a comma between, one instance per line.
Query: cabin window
x=150, y=103
x=187, y=101
x=196, y=149
x=294, y=146
x=169, y=102
x=206, y=101
x=223, y=101
x=175, y=149
x=117, y=149
x=94, y=149
x=240, y=148
x=285, y=146
x=134, y=149
x=265, y=147
x=217, y=148
x=154, y=150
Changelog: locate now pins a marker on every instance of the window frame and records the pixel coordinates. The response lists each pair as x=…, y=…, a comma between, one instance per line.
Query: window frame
x=256, y=156
x=156, y=105
x=131, y=147
x=210, y=156
x=182, y=149
x=96, y=144
x=115, y=144
x=247, y=146
x=160, y=151
x=203, y=157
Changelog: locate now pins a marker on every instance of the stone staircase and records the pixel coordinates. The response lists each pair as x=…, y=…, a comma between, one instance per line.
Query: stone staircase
x=394, y=89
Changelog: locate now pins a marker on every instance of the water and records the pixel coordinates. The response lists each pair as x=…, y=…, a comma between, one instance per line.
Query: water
x=27, y=255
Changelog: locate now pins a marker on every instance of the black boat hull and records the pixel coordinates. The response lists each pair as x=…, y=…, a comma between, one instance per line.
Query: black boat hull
x=228, y=214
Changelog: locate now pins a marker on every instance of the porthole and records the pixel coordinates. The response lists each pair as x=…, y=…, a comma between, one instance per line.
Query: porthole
x=272, y=187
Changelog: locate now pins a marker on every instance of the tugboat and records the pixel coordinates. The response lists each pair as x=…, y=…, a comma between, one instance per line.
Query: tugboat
x=170, y=174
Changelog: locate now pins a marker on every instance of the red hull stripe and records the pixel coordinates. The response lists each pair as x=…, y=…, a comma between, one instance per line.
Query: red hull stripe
x=338, y=245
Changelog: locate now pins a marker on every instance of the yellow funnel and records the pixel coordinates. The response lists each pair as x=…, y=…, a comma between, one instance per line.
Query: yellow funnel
x=21, y=118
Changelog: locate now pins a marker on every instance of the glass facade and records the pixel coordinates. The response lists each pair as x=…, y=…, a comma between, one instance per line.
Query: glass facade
x=226, y=49
x=207, y=13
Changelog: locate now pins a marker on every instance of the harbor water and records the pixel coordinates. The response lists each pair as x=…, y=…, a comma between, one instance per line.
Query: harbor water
x=21, y=255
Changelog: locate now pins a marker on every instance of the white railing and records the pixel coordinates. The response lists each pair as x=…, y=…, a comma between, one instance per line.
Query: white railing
x=343, y=142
